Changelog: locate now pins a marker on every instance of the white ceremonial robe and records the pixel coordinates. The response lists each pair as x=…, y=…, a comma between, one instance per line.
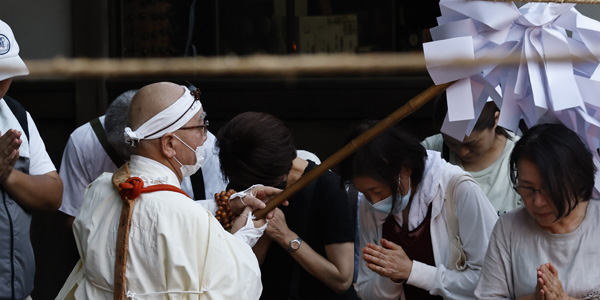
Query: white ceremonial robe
x=177, y=249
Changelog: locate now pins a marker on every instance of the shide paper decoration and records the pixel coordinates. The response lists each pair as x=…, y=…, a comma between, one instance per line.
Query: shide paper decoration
x=538, y=90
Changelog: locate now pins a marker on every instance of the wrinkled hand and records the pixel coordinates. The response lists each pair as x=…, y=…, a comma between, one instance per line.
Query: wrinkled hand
x=388, y=260
x=277, y=228
x=9, y=152
x=255, y=198
x=551, y=286
x=538, y=294
x=241, y=220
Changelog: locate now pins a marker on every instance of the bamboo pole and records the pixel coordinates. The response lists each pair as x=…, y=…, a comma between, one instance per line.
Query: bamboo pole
x=354, y=145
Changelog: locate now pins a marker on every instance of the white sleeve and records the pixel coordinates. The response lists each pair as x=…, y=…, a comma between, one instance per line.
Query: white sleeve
x=39, y=162
x=75, y=178
x=369, y=284
x=476, y=218
x=496, y=277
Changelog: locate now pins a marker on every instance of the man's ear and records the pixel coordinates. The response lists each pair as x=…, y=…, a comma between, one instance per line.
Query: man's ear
x=167, y=147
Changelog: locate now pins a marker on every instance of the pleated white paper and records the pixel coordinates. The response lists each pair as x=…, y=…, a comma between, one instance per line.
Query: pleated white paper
x=550, y=91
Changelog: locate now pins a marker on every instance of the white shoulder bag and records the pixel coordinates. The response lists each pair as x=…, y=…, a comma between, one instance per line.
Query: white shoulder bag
x=457, y=259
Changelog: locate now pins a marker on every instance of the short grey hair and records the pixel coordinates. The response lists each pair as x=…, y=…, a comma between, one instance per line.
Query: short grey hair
x=115, y=122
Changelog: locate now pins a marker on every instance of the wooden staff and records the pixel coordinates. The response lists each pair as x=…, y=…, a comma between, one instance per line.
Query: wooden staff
x=354, y=145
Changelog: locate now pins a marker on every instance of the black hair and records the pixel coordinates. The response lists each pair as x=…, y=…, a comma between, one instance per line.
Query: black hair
x=115, y=122
x=383, y=158
x=254, y=148
x=565, y=164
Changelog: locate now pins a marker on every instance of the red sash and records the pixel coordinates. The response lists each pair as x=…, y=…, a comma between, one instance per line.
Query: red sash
x=129, y=191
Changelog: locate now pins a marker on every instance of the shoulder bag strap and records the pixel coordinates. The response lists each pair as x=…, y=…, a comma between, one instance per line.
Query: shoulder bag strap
x=457, y=258
x=101, y=135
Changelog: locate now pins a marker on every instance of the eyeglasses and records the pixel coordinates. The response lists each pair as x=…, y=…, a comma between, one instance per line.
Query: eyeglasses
x=527, y=192
x=203, y=128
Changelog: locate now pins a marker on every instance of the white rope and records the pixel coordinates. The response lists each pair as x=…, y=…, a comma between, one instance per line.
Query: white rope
x=286, y=65
x=135, y=296
x=264, y=65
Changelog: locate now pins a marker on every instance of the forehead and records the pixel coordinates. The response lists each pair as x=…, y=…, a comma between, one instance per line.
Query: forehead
x=528, y=171
x=364, y=183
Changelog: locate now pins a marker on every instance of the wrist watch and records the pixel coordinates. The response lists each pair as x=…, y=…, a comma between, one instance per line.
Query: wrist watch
x=294, y=245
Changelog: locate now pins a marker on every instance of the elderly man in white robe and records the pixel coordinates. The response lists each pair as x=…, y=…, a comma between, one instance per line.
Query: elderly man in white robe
x=175, y=248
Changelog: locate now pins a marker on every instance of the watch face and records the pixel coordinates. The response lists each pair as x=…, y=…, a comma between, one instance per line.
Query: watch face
x=295, y=244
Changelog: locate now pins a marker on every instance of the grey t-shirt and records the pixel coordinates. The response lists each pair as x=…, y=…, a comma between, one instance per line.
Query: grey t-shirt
x=518, y=246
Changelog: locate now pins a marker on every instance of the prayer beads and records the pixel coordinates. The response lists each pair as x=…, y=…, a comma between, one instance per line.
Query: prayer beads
x=224, y=214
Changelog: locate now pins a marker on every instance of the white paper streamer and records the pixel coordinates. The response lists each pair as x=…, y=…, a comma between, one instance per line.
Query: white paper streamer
x=537, y=92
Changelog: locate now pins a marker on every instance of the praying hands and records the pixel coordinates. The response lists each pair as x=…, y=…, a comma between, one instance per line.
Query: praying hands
x=549, y=286
x=388, y=260
x=9, y=152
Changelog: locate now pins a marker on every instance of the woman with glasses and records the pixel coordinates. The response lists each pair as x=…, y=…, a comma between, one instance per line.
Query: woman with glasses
x=549, y=248
x=407, y=233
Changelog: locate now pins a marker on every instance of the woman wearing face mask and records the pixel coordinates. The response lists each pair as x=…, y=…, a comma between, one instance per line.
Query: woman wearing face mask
x=484, y=154
x=404, y=234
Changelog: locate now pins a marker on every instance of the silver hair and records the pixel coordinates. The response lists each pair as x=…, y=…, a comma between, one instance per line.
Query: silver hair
x=115, y=122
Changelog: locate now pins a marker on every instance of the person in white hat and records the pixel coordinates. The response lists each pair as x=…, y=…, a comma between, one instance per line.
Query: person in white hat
x=28, y=178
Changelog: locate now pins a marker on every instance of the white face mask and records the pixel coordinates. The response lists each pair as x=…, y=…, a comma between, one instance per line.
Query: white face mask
x=385, y=205
x=189, y=170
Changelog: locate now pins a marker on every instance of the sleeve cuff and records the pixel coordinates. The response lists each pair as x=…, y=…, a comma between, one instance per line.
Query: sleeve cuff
x=422, y=276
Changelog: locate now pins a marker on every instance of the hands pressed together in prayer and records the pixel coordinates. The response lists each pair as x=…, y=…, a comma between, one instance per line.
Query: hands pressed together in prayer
x=388, y=260
x=9, y=152
x=548, y=285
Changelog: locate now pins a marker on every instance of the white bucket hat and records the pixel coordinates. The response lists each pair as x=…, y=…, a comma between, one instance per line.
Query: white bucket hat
x=11, y=65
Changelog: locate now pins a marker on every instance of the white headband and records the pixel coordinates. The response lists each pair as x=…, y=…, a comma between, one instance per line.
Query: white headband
x=176, y=115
